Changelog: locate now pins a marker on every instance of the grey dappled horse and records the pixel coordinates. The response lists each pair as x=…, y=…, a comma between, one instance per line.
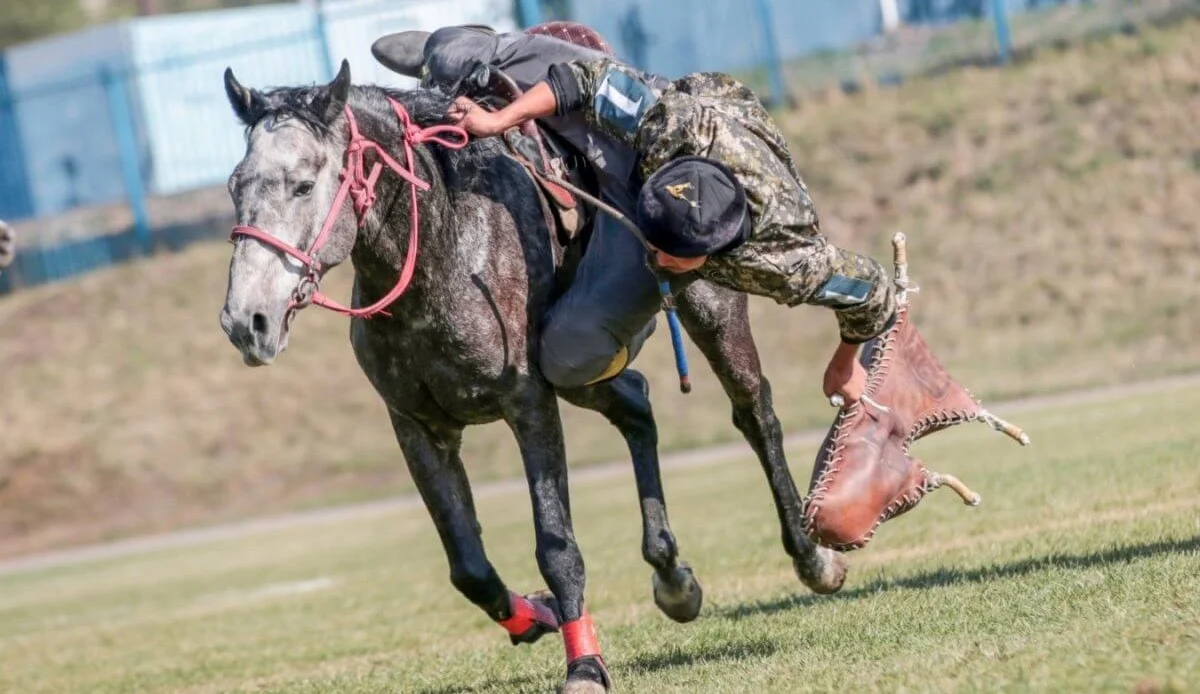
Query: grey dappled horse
x=458, y=348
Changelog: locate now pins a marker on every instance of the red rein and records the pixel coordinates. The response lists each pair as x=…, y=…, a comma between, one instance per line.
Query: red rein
x=360, y=188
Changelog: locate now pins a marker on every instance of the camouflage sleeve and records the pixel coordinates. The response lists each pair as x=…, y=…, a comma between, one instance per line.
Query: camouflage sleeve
x=613, y=97
x=795, y=268
x=860, y=292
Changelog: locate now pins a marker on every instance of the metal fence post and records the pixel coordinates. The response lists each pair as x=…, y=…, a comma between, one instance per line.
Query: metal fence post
x=889, y=15
x=16, y=199
x=1003, y=37
x=774, y=64
x=531, y=12
x=321, y=33
x=131, y=168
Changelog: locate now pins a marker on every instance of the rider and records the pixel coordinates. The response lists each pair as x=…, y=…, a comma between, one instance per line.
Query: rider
x=716, y=193
x=603, y=320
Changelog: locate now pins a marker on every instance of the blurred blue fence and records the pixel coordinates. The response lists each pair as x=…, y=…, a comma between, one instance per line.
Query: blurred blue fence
x=116, y=141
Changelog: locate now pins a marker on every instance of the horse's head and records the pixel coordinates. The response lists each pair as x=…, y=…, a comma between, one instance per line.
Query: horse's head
x=283, y=188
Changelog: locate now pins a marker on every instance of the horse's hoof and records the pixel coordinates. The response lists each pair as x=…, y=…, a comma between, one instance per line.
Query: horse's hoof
x=831, y=575
x=587, y=675
x=583, y=687
x=679, y=596
x=538, y=630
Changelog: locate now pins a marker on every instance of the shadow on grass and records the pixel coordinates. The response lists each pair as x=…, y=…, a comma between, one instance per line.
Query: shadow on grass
x=522, y=683
x=671, y=656
x=674, y=655
x=950, y=576
x=677, y=655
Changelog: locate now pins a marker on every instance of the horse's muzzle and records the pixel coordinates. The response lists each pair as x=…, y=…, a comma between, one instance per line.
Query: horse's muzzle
x=255, y=335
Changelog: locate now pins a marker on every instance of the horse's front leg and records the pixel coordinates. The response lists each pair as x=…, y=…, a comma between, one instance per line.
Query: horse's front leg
x=532, y=414
x=437, y=470
x=625, y=402
x=718, y=321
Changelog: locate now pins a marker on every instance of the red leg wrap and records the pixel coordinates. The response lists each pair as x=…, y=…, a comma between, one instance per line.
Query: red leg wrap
x=525, y=614
x=579, y=638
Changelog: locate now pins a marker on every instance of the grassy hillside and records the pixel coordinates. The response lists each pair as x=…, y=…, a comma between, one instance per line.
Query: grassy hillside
x=1052, y=214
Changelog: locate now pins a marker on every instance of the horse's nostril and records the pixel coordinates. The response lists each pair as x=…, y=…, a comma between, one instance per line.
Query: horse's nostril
x=258, y=323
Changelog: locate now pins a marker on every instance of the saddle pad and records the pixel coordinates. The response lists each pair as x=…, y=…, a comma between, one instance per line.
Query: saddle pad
x=572, y=32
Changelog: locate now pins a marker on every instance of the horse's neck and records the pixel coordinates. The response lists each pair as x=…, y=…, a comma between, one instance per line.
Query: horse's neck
x=381, y=249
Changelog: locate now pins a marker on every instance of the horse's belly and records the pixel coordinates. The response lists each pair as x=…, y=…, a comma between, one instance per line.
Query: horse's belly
x=467, y=400
x=465, y=382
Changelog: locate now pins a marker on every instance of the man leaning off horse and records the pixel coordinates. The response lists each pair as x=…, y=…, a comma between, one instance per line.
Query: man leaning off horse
x=719, y=198
x=722, y=197
x=604, y=318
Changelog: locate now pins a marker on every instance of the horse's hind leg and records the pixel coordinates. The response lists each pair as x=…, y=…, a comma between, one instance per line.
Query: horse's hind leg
x=718, y=321
x=438, y=473
x=532, y=414
x=625, y=402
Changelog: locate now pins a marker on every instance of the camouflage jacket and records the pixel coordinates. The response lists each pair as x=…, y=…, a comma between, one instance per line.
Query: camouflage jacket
x=712, y=115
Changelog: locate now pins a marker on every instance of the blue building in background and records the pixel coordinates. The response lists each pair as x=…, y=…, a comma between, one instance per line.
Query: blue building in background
x=14, y=191
x=146, y=95
x=68, y=144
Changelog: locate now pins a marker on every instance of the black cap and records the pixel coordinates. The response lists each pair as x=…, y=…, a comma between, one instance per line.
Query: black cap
x=693, y=207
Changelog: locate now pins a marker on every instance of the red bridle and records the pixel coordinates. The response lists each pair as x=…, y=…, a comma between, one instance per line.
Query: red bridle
x=360, y=187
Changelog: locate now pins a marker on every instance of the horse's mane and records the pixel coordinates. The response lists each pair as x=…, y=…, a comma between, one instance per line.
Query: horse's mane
x=427, y=107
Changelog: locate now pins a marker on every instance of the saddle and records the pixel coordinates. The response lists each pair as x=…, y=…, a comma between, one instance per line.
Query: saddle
x=864, y=474
x=544, y=155
x=572, y=32
x=539, y=150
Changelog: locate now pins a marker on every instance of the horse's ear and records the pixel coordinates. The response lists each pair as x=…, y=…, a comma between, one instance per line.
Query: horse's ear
x=248, y=104
x=337, y=93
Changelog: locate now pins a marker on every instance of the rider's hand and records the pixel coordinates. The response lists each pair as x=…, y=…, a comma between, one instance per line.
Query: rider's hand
x=475, y=119
x=845, y=375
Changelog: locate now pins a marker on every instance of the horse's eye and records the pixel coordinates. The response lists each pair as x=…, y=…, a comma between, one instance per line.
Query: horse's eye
x=304, y=189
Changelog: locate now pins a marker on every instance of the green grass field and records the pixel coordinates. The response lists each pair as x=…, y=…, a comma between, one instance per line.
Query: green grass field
x=1079, y=573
